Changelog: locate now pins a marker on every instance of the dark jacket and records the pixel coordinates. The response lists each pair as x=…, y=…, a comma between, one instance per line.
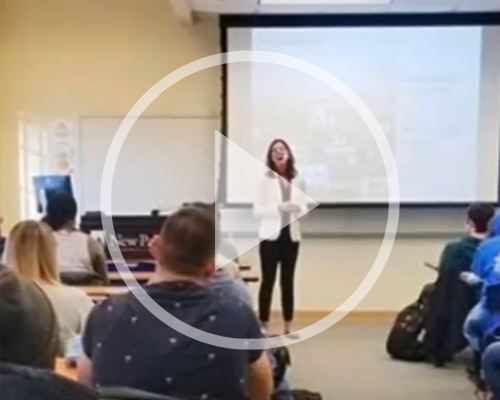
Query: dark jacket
x=25, y=383
x=29, y=333
x=451, y=302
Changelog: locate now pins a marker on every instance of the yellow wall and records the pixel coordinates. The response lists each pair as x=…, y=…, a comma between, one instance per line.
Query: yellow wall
x=330, y=270
x=66, y=58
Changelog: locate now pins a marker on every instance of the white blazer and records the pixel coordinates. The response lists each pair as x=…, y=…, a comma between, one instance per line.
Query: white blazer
x=266, y=207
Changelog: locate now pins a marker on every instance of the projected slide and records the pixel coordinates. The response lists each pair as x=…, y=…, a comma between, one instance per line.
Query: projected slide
x=434, y=90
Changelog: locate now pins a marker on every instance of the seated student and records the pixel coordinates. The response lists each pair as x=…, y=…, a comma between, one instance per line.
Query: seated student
x=491, y=368
x=32, y=254
x=485, y=273
x=29, y=333
x=78, y=254
x=227, y=276
x=223, y=279
x=452, y=298
x=126, y=345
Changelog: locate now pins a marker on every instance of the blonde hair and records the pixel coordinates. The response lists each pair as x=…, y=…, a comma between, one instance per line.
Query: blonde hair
x=32, y=252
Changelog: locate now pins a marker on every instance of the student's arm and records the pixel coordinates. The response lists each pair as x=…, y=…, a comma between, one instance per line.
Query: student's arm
x=84, y=370
x=98, y=259
x=86, y=307
x=84, y=365
x=260, y=379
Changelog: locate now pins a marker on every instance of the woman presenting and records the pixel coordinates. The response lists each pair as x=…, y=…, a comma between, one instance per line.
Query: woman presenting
x=277, y=204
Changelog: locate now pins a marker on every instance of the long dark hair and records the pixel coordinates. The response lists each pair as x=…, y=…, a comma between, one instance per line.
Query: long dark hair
x=61, y=209
x=291, y=171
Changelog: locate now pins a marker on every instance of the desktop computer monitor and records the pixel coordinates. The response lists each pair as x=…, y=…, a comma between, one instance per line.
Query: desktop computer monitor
x=47, y=185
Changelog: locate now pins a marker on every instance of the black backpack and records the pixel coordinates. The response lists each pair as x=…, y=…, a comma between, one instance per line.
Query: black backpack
x=405, y=338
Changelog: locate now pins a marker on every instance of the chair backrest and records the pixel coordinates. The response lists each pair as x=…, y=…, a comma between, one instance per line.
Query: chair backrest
x=22, y=383
x=117, y=393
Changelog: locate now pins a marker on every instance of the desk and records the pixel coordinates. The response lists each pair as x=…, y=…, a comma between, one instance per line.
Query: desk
x=98, y=293
x=63, y=370
x=139, y=276
x=148, y=266
x=146, y=276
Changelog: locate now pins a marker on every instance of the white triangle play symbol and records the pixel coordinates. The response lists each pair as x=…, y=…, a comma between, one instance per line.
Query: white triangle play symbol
x=246, y=181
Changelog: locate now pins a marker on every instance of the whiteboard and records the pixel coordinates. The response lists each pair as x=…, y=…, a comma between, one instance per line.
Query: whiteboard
x=163, y=163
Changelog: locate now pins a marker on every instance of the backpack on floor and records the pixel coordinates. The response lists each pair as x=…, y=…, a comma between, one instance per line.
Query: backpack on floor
x=405, y=338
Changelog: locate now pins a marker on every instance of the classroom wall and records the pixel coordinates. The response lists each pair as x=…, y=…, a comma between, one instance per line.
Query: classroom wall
x=330, y=270
x=71, y=58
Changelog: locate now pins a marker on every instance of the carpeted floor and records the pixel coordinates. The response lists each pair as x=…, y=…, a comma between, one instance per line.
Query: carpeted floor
x=349, y=362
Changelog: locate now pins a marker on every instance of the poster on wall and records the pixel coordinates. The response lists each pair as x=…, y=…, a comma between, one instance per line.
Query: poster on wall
x=63, y=147
x=47, y=146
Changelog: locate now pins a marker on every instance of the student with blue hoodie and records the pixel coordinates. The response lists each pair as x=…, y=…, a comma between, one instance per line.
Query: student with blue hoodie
x=485, y=271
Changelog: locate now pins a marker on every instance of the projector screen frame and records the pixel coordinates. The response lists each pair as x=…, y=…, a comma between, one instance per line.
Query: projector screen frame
x=228, y=21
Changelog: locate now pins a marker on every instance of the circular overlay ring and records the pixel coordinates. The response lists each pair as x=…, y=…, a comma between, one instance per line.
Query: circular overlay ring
x=382, y=143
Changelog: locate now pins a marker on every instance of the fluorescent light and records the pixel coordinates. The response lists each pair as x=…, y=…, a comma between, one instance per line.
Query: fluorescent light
x=321, y=2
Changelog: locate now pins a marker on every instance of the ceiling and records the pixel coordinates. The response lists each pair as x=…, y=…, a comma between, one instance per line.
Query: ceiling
x=408, y=6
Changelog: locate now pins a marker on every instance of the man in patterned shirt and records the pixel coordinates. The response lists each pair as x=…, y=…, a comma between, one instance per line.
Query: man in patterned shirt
x=126, y=346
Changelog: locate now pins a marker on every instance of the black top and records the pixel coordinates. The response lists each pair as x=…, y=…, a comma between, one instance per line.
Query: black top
x=130, y=347
x=286, y=195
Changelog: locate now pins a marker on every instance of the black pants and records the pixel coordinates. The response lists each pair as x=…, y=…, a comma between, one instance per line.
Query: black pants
x=283, y=252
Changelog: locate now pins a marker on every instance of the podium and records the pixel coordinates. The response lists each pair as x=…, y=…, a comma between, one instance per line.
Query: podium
x=132, y=233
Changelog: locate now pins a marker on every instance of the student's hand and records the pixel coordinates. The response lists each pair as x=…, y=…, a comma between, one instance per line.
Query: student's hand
x=470, y=278
x=154, y=247
x=289, y=207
